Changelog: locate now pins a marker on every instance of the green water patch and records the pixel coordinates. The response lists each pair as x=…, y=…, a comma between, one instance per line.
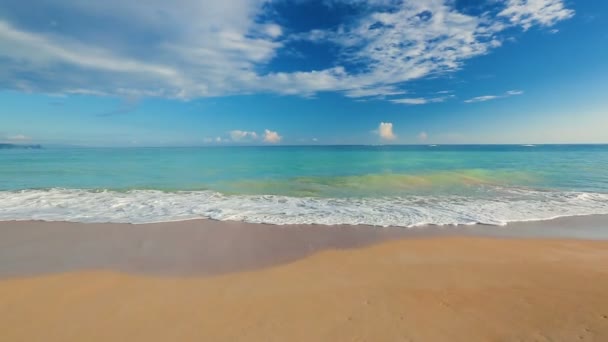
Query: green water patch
x=383, y=184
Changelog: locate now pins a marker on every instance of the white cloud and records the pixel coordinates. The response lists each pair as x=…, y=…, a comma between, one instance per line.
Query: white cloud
x=385, y=131
x=272, y=137
x=18, y=137
x=399, y=43
x=423, y=136
x=410, y=101
x=242, y=136
x=514, y=92
x=374, y=91
x=494, y=97
x=202, y=48
x=273, y=30
x=14, y=138
x=420, y=100
x=40, y=51
x=482, y=98
x=527, y=13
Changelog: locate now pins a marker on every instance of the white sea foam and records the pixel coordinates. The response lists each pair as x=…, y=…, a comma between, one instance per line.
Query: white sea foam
x=146, y=206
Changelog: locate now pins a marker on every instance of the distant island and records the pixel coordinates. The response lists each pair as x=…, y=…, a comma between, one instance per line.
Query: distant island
x=18, y=146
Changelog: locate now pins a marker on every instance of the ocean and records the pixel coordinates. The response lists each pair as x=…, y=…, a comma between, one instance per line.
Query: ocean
x=402, y=186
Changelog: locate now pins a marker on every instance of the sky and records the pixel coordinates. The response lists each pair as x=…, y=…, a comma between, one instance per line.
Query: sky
x=256, y=72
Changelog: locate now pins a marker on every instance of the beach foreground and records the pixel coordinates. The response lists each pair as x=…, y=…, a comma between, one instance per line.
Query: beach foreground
x=406, y=286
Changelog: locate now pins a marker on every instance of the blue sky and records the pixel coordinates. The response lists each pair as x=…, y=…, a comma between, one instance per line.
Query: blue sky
x=157, y=73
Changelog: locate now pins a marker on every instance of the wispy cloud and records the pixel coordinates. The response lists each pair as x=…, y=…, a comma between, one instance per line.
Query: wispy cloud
x=15, y=138
x=203, y=48
x=421, y=100
x=482, y=98
x=411, y=101
x=485, y=98
x=514, y=92
x=374, y=91
x=527, y=13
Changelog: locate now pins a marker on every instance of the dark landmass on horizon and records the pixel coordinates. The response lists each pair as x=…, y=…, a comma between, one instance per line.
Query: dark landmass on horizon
x=4, y=146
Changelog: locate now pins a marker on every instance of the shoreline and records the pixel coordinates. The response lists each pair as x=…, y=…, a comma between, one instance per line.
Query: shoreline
x=208, y=247
x=561, y=220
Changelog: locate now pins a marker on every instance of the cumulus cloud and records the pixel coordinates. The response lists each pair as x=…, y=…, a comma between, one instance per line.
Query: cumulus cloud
x=272, y=137
x=494, y=97
x=385, y=131
x=241, y=136
x=245, y=137
x=203, y=48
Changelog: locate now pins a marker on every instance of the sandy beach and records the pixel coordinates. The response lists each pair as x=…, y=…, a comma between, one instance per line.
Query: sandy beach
x=228, y=281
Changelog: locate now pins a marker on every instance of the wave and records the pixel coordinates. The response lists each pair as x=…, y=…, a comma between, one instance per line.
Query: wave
x=501, y=206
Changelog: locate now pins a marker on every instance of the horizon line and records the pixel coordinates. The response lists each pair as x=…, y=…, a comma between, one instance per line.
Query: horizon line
x=306, y=145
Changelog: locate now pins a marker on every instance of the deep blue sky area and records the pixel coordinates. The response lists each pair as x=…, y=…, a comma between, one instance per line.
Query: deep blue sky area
x=245, y=72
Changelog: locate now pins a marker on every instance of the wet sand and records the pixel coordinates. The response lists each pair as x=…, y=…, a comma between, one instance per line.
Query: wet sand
x=227, y=281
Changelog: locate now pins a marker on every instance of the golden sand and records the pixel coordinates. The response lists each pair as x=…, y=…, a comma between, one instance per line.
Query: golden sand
x=433, y=289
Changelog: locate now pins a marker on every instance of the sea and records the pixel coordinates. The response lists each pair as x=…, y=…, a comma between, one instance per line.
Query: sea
x=404, y=186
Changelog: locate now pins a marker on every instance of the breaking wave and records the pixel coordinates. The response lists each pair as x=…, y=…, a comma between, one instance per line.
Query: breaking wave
x=498, y=207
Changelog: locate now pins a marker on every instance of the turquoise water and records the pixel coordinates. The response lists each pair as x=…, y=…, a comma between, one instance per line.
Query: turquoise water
x=381, y=185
